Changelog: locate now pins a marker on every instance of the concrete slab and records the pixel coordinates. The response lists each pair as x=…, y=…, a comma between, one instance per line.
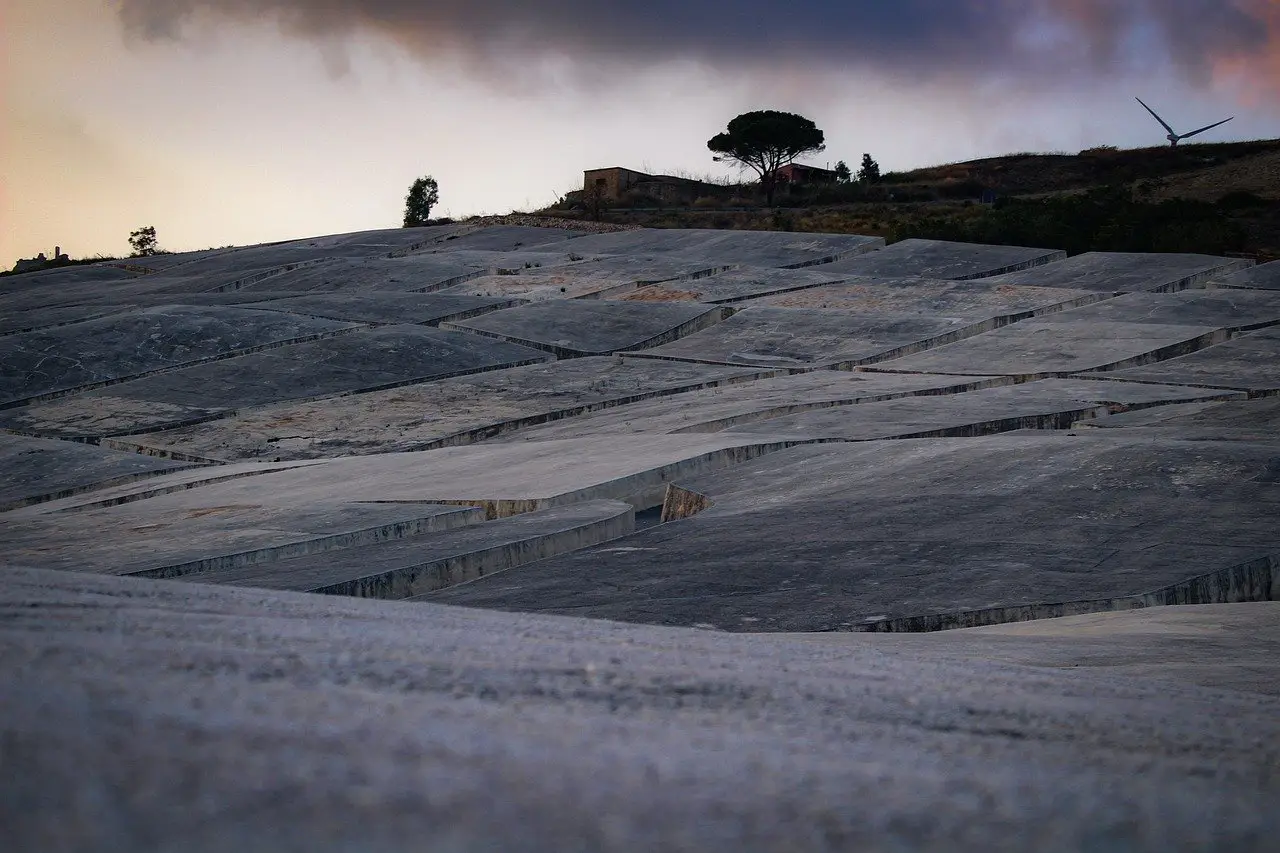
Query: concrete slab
x=1122, y=272
x=496, y=731
x=765, y=336
x=577, y=328
x=924, y=535
x=1045, y=404
x=505, y=479
x=1261, y=277
x=577, y=277
x=1221, y=646
x=186, y=532
x=733, y=285
x=753, y=248
x=758, y=402
x=1051, y=346
x=14, y=322
x=1256, y=421
x=427, y=309
x=414, y=274
x=1229, y=310
x=971, y=300
x=434, y=560
x=37, y=470
x=99, y=352
x=445, y=413
x=365, y=360
x=506, y=238
x=1246, y=362
x=567, y=282
x=943, y=259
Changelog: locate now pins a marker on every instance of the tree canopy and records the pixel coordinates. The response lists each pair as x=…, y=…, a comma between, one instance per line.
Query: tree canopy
x=765, y=141
x=143, y=241
x=423, y=195
x=869, y=173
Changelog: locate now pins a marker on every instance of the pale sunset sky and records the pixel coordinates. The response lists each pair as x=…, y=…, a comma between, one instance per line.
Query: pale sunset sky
x=244, y=121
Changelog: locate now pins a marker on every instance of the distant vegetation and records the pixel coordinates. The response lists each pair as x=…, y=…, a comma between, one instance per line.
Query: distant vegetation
x=423, y=195
x=144, y=242
x=765, y=141
x=1212, y=198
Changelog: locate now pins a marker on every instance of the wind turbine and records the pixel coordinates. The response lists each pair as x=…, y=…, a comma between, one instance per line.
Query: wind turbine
x=1174, y=137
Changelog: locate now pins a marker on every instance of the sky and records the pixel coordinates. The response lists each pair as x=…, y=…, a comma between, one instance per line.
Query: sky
x=243, y=121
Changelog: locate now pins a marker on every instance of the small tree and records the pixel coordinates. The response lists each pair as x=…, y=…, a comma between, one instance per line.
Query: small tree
x=765, y=141
x=422, y=196
x=869, y=173
x=843, y=175
x=143, y=242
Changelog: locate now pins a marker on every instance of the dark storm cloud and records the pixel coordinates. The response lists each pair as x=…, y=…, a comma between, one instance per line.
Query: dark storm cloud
x=975, y=37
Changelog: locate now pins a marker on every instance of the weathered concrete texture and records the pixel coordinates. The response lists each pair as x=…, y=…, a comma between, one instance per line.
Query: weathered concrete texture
x=1116, y=272
x=537, y=285
x=643, y=269
x=1046, y=404
x=759, y=402
x=1256, y=421
x=416, y=273
x=427, y=309
x=185, y=532
x=734, y=285
x=448, y=412
x=430, y=561
x=922, y=535
x=942, y=259
x=62, y=276
x=974, y=300
x=506, y=238
x=1230, y=310
x=752, y=248
x=100, y=352
x=1261, y=277
x=1053, y=346
x=14, y=322
x=381, y=357
x=375, y=725
x=1249, y=362
x=577, y=328
x=37, y=470
x=504, y=479
x=765, y=336
x=1223, y=646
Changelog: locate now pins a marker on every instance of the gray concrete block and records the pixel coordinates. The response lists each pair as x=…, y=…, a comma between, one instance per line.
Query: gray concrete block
x=765, y=336
x=761, y=402
x=1261, y=277
x=433, y=560
x=1044, y=404
x=38, y=470
x=943, y=259
x=1052, y=346
x=100, y=352
x=753, y=248
x=1255, y=421
x=930, y=534
x=368, y=359
x=163, y=715
x=577, y=328
x=444, y=413
x=426, y=309
x=1246, y=362
x=1117, y=272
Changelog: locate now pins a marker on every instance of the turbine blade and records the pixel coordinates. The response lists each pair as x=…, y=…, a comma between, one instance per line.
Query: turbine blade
x=1203, y=129
x=1156, y=117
